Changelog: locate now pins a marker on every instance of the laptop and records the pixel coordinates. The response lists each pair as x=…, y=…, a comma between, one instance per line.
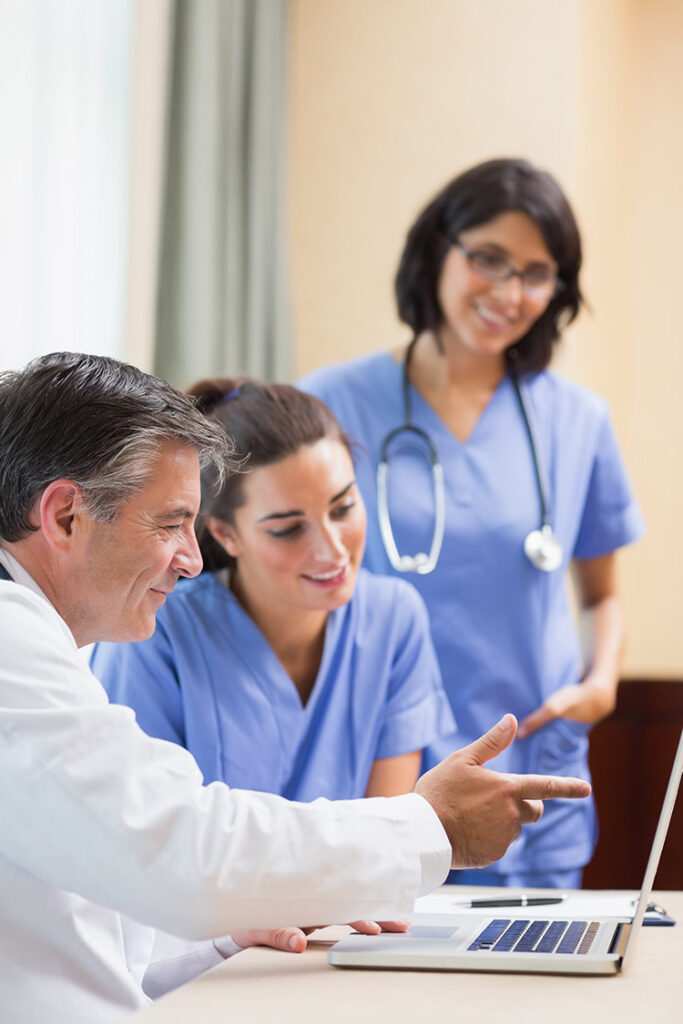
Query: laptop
x=536, y=942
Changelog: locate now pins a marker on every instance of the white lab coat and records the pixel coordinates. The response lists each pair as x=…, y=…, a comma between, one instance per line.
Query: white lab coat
x=106, y=833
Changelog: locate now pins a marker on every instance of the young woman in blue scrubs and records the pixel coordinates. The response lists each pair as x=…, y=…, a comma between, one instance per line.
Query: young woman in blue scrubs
x=285, y=667
x=488, y=278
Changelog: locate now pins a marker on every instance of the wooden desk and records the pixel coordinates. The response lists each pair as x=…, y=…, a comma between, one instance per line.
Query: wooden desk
x=261, y=986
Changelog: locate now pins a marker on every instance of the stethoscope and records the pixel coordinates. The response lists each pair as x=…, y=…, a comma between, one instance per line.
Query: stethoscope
x=541, y=546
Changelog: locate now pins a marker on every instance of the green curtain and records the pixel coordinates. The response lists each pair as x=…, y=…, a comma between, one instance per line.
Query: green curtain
x=222, y=295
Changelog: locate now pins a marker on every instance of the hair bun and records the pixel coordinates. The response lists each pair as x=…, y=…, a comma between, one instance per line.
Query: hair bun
x=213, y=391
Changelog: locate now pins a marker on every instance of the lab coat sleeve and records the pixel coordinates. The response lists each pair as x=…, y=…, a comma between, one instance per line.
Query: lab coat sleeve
x=417, y=711
x=179, y=966
x=91, y=804
x=611, y=516
x=143, y=676
x=176, y=961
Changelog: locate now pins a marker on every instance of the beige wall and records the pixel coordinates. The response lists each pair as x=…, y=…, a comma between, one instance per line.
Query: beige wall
x=390, y=98
x=656, y=354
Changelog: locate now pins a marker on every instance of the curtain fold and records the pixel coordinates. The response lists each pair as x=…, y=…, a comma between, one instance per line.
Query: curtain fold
x=222, y=303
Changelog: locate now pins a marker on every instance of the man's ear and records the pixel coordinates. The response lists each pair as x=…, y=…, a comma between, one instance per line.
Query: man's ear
x=60, y=511
x=224, y=534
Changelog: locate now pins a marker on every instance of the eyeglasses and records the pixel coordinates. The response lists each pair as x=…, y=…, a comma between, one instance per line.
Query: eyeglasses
x=538, y=281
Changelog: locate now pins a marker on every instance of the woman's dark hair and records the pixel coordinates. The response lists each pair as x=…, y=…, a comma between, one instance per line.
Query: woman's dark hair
x=266, y=423
x=476, y=197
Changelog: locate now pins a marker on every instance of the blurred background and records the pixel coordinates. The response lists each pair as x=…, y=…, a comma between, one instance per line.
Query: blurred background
x=222, y=186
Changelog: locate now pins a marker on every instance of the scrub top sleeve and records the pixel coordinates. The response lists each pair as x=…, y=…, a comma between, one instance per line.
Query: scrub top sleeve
x=417, y=711
x=316, y=383
x=143, y=677
x=611, y=516
x=325, y=384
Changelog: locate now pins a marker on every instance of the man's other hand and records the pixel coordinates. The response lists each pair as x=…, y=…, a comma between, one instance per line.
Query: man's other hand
x=294, y=940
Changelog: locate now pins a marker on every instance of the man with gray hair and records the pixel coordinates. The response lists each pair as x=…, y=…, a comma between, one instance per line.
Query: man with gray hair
x=108, y=834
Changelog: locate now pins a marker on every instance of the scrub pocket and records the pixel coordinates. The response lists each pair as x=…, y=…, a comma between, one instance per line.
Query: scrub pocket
x=561, y=748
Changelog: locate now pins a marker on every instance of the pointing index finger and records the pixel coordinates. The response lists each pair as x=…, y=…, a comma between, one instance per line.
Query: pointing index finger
x=552, y=787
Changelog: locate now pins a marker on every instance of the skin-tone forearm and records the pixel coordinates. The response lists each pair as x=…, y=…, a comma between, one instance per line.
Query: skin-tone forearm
x=602, y=632
x=603, y=625
x=602, y=621
x=391, y=776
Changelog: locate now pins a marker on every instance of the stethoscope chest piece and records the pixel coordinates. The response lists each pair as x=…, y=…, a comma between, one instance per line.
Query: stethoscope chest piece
x=543, y=549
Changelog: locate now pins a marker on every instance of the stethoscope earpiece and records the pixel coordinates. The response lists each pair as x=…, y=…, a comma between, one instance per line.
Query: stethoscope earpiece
x=419, y=563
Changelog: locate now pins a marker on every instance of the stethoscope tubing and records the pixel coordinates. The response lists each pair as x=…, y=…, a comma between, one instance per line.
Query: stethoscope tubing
x=542, y=484
x=541, y=546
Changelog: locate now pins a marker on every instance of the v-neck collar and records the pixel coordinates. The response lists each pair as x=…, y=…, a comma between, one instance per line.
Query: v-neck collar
x=252, y=655
x=422, y=410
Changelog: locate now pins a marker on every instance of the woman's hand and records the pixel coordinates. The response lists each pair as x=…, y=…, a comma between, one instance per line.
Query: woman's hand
x=602, y=627
x=588, y=701
x=293, y=940
x=375, y=927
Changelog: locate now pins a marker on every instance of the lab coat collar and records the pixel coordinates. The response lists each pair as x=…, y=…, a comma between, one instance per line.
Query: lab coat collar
x=20, y=575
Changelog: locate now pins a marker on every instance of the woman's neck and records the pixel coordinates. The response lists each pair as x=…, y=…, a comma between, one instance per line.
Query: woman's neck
x=442, y=362
x=456, y=382
x=297, y=637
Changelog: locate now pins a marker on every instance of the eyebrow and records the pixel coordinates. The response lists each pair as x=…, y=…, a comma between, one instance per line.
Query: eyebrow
x=181, y=512
x=299, y=512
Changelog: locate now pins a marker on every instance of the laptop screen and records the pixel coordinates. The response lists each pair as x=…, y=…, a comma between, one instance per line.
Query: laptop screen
x=656, y=851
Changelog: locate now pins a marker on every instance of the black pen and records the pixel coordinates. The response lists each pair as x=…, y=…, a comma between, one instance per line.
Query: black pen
x=513, y=901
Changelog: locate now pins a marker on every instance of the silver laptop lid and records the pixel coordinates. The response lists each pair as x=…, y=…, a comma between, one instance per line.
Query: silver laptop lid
x=656, y=851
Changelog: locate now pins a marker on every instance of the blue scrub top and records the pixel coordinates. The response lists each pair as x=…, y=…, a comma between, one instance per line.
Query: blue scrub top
x=208, y=680
x=502, y=629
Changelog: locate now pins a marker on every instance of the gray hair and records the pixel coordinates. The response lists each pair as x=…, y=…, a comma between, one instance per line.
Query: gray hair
x=98, y=422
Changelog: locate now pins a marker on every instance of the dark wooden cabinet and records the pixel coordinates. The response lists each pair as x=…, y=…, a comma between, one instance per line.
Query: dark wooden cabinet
x=631, y=754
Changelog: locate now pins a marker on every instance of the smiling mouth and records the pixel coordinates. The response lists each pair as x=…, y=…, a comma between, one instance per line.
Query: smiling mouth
x=334, y=576
x=167, y=589
x=491, y=317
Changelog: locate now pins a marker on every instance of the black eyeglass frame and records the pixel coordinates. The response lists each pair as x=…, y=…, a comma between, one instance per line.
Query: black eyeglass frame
x=535, y=292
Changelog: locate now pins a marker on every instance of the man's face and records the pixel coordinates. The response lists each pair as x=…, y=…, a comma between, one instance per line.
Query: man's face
x=123, y=570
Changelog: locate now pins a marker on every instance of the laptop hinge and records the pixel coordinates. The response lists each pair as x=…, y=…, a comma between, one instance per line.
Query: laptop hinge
x=620, y=939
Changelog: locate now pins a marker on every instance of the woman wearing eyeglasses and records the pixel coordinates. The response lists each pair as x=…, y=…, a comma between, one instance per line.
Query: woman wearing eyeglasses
x=285, y=667
x=495, y=477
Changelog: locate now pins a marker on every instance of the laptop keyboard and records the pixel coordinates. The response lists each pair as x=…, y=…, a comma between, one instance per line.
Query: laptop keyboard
x=505, y=935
